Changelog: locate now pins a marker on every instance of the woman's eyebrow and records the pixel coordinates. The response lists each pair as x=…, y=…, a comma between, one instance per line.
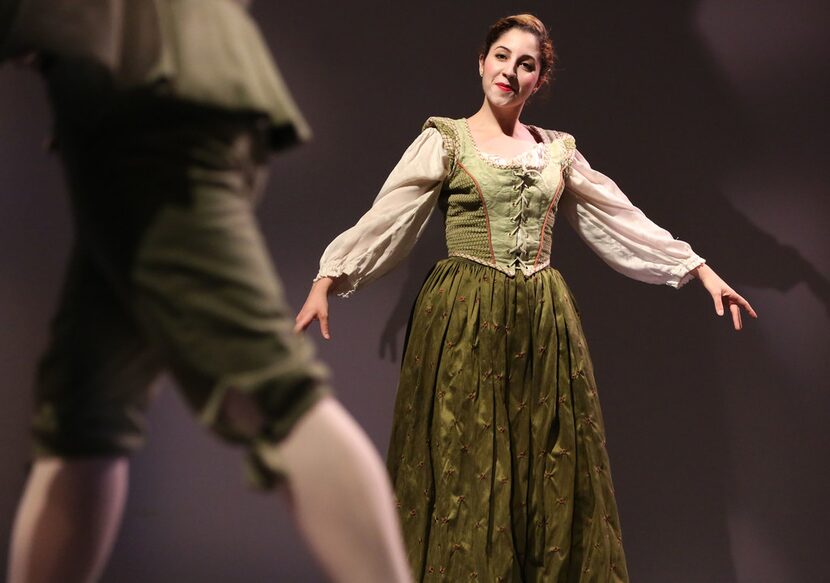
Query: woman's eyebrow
x=509, y=51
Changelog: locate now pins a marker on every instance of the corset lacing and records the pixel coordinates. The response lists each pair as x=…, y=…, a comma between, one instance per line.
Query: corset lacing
x=525, y=179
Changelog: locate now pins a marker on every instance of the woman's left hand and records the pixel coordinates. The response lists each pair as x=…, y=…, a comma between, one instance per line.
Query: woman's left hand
x=720, y=292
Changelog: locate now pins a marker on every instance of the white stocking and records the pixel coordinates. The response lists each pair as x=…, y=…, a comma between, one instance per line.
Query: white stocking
x=67, y=520
x=339, y=492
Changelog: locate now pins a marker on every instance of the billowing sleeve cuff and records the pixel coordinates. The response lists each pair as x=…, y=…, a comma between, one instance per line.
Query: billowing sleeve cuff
x=388, y=231
x=620, y=233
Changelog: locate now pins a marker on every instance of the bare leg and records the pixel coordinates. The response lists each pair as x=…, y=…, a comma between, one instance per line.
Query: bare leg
x=68, y=519
x=339, y=491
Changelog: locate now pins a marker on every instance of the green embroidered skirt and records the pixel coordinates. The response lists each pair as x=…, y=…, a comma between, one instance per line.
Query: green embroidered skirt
x=498, y=449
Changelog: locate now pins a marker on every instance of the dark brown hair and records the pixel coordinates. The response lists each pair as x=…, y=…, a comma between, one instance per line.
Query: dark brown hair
x=531, y=24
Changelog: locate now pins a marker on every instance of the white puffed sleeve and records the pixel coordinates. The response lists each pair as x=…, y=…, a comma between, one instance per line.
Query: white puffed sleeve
x=388, y=231
x=620, y=233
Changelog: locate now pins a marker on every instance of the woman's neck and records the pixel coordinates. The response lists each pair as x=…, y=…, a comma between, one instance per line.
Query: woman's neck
x=506, y=120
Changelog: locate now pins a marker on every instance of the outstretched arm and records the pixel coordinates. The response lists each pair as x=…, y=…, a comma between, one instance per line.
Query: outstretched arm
x=385, y=234
x=620, y=233
x=632, y=244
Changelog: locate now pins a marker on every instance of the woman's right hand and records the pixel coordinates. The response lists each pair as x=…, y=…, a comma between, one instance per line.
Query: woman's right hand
x=316, y=307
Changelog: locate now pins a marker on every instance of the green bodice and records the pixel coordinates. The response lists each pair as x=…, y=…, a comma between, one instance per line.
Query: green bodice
x=501, y=214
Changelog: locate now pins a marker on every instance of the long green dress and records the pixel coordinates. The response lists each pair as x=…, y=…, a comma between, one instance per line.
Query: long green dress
x=498, y=452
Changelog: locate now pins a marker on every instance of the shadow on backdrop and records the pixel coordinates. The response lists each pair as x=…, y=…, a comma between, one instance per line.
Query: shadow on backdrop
x=710, y=114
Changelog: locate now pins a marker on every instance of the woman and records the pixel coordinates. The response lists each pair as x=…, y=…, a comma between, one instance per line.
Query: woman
x=498, y=450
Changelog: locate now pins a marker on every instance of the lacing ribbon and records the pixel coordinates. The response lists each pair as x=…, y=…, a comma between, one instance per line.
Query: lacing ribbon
x=525, y=178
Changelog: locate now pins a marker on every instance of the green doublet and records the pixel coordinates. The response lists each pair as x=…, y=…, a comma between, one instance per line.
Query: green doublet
x=213, y=53
x=498, y=453
x=205, y=52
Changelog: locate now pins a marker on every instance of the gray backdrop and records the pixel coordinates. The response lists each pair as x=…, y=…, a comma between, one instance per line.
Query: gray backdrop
x=711, y=114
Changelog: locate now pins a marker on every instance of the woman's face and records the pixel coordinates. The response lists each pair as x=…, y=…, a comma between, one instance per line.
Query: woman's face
x=510, y=69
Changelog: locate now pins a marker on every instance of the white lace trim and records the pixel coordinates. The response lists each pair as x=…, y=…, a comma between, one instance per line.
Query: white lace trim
x=536, y=157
